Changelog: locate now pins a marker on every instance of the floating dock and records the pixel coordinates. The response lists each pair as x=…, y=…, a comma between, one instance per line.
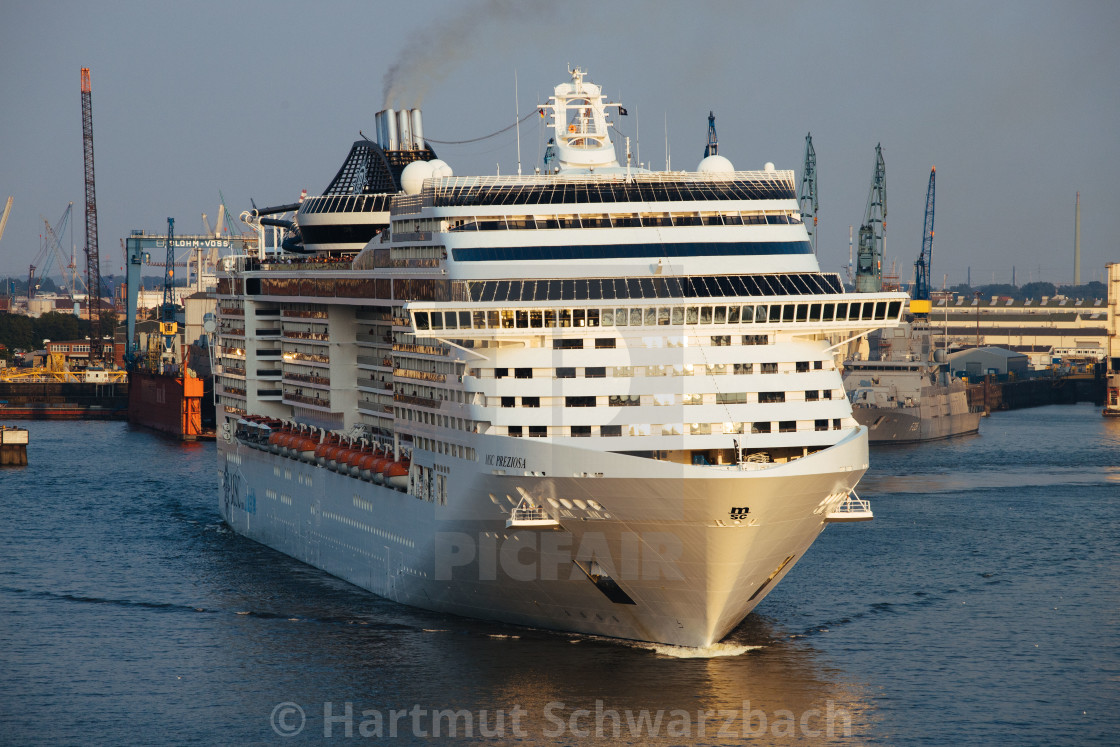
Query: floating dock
x=168, y=403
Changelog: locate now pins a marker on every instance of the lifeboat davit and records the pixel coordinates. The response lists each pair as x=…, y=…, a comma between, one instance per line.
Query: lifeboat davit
x=395, y=475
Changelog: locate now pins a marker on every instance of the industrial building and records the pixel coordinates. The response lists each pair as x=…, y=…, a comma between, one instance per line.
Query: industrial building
x=1035, y=328
x=976, y=363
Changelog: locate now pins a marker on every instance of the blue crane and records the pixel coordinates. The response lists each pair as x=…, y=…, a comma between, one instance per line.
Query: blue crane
x=920, y=305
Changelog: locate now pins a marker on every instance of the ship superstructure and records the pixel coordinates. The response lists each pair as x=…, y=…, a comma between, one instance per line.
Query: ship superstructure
x=599, y=399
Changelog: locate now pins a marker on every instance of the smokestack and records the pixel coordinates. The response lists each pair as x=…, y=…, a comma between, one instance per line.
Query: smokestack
x=1077, y=241
x=390, y=129
x=417, y=130
x=404, y=129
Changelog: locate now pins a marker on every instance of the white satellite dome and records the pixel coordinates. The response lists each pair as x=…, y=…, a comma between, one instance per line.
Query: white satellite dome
x=440, y=168
x=715, y=165
x=413, y=176
x=768, y=166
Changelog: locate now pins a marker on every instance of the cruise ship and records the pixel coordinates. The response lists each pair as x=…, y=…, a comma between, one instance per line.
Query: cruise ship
x=596, y=398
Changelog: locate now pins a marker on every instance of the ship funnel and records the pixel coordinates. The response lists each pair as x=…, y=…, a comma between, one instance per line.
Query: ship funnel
x=417, y=130
x=390, y=130
x=404, y=129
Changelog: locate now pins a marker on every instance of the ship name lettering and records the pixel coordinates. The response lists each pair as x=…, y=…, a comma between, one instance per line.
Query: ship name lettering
x=501, y=460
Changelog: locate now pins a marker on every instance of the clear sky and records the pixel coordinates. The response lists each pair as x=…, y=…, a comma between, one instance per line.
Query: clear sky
x=1016, y=102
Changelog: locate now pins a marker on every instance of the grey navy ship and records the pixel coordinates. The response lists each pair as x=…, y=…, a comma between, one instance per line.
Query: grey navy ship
x=904, y=393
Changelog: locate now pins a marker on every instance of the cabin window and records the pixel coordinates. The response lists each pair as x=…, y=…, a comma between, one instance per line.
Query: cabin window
x=579, y=401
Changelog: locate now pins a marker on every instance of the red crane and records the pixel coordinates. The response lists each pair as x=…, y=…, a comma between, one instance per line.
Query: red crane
x=93, y=261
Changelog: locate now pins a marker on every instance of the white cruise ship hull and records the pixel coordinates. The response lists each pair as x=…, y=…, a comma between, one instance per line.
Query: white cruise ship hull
x=692, y=556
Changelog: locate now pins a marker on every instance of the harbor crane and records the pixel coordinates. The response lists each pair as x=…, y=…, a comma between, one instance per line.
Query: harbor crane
x=167, y=326
x=4, y=218
x=872, y=233
x=93, y=260
x=920, y=301
x=808, y=196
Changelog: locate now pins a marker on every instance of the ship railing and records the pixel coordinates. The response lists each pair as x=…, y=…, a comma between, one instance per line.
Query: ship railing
x=851, y=508
x=527, y=516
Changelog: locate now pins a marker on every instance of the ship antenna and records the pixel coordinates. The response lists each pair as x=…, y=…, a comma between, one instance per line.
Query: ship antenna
x=517, y=122
x=667, y=141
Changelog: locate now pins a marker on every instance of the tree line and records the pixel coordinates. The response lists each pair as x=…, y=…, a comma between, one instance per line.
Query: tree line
x=1034, y=290
x=25, y=333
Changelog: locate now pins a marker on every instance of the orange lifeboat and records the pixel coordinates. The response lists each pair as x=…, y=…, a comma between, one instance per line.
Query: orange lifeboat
x=303, y=446
x=274, y=441
x=322, y=449
x=353, y=459
x=395, y=474
x=277, y=439
x=339, y=458
x=378, y=467
x=365, y=464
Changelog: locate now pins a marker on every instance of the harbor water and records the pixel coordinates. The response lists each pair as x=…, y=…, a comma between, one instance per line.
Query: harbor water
x=982, y=606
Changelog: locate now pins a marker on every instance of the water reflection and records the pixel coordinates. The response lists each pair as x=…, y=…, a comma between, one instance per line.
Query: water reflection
x=348, y=646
